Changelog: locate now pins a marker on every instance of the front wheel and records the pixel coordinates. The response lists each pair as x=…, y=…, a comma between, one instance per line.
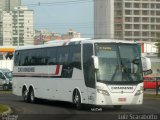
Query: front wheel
x=5, y=87
x=77, y=100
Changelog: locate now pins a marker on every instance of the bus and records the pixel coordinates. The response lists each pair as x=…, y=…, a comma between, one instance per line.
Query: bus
x=80, y=71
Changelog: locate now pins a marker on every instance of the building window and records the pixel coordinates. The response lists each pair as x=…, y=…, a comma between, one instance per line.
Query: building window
x=152, y=5
x=128, y=26
x=158, y=20
x=136, y=12
x=136, y=33
x=128, y=19
x=145, y=19
x=152, y=19
x=157, y=12
x=128, y=33
x=136, y=19
x=136, y=26
x=145, y=5
x=158, y=27
x=145, y=34
x=136, y=5
x=145, y=12
x=158, y=6
x=152, y=27
x=128, y=12
x=145, y=27
x=152, y=12
x=128, y=5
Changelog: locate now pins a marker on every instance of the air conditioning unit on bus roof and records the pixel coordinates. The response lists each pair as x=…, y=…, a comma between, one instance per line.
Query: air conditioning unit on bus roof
x=59, y=42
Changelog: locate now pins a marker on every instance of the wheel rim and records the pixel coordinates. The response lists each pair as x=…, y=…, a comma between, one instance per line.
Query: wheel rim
x=32, y=96
x=77, y=100
x=25, y=93
x=5, y=87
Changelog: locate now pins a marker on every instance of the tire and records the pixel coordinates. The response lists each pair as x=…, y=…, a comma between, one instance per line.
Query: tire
x=5, y=87
x=117, y=107
x=32, y=96
x=25, y=95
x=77, y=100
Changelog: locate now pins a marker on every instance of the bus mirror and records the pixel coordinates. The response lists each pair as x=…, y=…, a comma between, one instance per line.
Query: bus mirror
x=147, y=72
x=146, y=64
x=96, y=62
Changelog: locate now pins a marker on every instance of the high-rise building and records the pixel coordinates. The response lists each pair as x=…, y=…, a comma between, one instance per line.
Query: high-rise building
x=8, y=5
x=16, y=27
x=127, y=19
x=23, y=31
x=5, y=28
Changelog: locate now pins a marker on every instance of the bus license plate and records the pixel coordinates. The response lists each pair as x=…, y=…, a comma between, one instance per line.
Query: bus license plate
x=121, y=99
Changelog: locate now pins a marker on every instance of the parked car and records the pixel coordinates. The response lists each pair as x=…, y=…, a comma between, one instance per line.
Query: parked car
x=150, y=82
x=6, y=79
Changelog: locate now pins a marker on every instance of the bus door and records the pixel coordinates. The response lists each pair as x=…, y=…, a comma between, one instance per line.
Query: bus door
x=89, y=72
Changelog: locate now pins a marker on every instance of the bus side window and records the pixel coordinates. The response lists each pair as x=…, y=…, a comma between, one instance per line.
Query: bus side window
x=63, y=53
x=51, y=56
x=62, y=56
x=88, y=66
x=75, y=56
x=16, y=59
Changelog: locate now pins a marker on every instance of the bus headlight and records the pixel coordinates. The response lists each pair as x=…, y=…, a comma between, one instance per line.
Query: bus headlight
x=105, y=92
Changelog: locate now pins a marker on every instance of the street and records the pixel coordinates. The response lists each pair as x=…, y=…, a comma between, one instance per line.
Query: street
x=47, y=110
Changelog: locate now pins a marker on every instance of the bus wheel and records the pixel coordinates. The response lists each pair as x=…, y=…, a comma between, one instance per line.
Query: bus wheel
x=25, y=95
x=32, y=96
x=77, y=100
x=117, y=107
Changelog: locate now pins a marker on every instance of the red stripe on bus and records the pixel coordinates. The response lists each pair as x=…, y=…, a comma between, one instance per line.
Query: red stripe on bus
x=57, y=70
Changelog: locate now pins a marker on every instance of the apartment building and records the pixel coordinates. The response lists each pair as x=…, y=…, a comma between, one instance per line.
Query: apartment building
x=23, y=31
x=127, y=19
x=16, y=27
x=5, y=28
x=8, y=5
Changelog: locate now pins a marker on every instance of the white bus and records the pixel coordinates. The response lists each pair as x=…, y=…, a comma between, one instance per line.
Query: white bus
x=97, y=72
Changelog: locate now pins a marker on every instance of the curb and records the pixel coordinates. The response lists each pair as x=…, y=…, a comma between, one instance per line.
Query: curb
x=8, y=112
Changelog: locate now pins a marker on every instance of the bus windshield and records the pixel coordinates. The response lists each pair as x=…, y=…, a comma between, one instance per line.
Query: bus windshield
x=118, y=63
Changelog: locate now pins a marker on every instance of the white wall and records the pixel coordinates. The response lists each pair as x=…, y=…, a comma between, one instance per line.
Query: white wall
x=6, y=64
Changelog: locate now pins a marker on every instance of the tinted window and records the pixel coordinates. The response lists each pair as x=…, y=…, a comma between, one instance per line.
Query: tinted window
x=16, y=58
x=63, y=53
x=75, y=56
x=88, y=66
x=22, y=57
x=36, y=57
x=51, y=56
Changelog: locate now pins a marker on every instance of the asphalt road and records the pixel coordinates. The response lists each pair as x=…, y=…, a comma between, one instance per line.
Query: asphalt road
x=49, y=110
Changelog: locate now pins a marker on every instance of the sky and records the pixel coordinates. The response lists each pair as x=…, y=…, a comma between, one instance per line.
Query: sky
x=60, y=15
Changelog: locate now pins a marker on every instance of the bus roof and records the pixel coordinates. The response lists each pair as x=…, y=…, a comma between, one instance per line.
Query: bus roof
x=76, y=41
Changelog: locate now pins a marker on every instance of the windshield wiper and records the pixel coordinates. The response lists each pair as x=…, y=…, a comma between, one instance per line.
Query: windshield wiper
x=117, y=67
x=125, y=70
